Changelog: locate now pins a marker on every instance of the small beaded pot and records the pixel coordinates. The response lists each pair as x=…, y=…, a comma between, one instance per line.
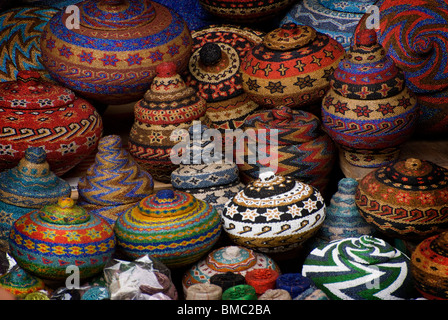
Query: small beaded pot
x=360, y=268
x=369, y=111
x=214, y=70
x=234, y=259
x=429, y=267
x=171, y=226
x=204, y=291
x=275, y=294
x=227, y=280
x=291, y=67
x=161, y=119
x=20, y=283
x=240, y=292
x=38, y=113
x=27, y=187
x=337, y=18
x=45, y=242
x=245, y=11
x=274, y=214
x=293, y=283
x=262, y=279
x=20, y=33
x=112, y=54
x=294, y=143
x=406, y=200
x=114, y=183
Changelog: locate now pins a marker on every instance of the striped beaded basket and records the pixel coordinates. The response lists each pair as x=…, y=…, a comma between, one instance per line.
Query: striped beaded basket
x=171, y=226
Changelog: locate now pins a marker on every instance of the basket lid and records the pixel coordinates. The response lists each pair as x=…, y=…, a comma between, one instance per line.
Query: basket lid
x=30, y=91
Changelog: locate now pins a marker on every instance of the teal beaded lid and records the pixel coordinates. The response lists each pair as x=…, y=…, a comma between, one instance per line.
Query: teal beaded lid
x=32, y=183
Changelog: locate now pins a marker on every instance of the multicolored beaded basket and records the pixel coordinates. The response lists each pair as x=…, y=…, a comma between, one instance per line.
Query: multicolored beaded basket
x=369, y=111
x=407, y=199
x=20, y=283
x=161, y=120
x=114, y=183
x=294, y=144
x=45, y=242
x=291, y=67
x=337, y=18
x=27, y=187
x=214, y=68
x=39, y=113
x=171, y=226
x=429, y=267
x=234, y=259
x=112, y=55
x=20, y=33
x=415, y=35
x=274, y=214
x=360, y=268
x=208, y=178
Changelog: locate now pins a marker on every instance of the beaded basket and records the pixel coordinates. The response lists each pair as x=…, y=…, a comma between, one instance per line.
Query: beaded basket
x=291, y=67
x=45, y=242
x=407, y=199
x=171, y=226
x=39, y=113
x=112, y=55
x=274, y=214
x=234, y=259
x=369, y=111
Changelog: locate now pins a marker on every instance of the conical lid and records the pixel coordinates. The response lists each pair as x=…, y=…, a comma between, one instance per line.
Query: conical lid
x=30, y=91
x=169, y=100
x=64, y=212
x=31, y=183
x=367, y=72
x=115, y=178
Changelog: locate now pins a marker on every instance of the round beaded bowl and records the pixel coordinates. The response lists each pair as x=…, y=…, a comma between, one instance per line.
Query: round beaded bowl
x=291, y=67
x=274, y=214
x=111, y=56
x=171, y=226
x=39, y=113
x=45, y=242
x=407, y=199
x=429, y=267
